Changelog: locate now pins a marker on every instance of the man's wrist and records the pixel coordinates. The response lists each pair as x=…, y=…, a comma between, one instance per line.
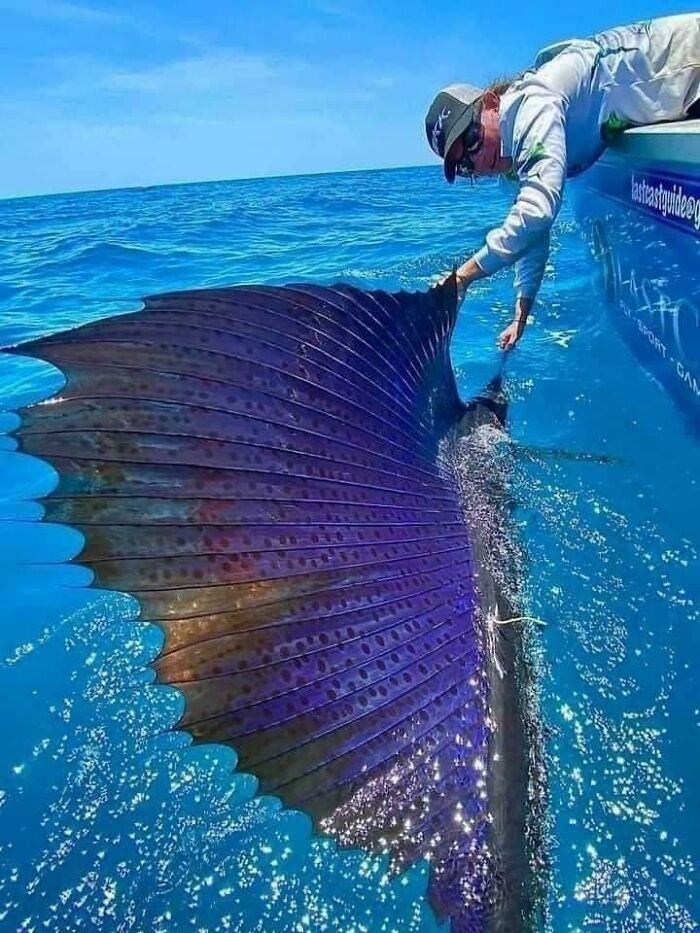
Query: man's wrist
x=523, y=306
x=469, y=272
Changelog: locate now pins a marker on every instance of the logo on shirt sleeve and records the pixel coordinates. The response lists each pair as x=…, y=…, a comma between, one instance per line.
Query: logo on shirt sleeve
x=534, y=155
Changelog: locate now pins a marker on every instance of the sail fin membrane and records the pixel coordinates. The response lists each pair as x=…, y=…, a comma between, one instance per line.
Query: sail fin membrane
x=264, y=469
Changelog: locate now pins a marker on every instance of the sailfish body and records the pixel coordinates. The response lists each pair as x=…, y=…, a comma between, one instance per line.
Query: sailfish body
x=270, y=472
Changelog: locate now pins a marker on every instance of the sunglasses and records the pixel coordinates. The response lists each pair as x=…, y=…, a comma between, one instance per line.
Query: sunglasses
x=472, y=139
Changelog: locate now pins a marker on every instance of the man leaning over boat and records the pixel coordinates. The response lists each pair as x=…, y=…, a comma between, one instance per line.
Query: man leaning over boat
x=553, y=122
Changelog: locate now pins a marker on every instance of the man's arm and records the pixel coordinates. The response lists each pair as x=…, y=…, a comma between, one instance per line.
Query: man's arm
x=529, y=271
x=539, y=160
x=467, y=273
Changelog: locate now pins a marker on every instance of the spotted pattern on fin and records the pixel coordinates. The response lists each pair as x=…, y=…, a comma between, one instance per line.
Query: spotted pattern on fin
x=261, y=467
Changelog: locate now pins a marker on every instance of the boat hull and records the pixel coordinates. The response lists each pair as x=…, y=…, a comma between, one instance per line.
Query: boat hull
x=639, y=208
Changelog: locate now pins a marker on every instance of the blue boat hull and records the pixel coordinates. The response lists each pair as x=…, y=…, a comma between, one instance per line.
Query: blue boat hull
x=640, y=211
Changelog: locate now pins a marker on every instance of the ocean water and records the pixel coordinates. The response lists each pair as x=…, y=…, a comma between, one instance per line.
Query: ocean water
x=108, y=820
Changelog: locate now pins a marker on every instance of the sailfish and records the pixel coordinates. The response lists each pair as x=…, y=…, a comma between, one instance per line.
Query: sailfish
x=277, y=475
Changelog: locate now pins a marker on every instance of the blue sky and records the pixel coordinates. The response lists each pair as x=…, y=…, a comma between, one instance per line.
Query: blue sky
x=101, y=94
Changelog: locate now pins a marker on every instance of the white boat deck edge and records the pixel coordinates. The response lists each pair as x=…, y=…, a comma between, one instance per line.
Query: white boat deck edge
x=662, y=142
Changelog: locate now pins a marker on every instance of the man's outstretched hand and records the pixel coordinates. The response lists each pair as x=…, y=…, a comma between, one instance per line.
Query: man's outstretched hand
x=467, y=273
x=510, y=336
x=443, y=277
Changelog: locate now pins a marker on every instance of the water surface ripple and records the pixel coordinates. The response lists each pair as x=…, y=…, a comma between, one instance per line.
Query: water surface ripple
x=109, y=820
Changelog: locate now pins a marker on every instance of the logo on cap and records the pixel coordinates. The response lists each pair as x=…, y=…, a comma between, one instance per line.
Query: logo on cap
x=437, y=129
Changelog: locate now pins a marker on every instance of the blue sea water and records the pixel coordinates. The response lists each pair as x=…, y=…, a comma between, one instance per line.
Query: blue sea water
x=110, y=821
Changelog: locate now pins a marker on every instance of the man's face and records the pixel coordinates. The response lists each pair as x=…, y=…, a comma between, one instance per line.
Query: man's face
x=485, y=159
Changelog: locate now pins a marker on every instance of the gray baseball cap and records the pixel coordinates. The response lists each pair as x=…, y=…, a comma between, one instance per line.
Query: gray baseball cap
x=448, y=117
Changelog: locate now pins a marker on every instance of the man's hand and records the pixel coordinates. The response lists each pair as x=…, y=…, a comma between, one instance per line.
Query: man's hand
x=439, y=279
x=510, y=336
x=467, y=273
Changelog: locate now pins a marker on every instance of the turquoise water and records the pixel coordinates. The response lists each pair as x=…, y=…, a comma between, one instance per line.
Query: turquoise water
x=108, y=820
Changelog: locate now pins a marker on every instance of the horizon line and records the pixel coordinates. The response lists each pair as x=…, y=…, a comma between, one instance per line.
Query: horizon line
x=210, y=181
